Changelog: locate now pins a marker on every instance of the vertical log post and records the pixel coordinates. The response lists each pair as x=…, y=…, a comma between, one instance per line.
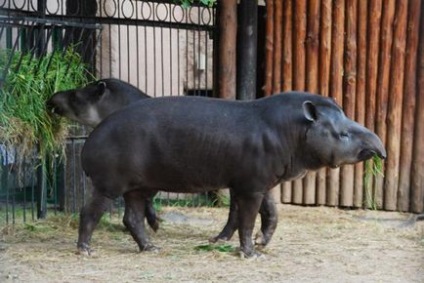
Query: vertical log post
x=336, y=87
x=276, y=86
x=312, y=55
x=247, y=37
x=287, y=73
x=360, y=95
x=299, y=71
x=410, y=92
x=269, y=47
x=347, y=184
x=374, y=17
x=394, y=115
x=324, y=79
x=227, y=49
x=382, y=94
x=417, y=176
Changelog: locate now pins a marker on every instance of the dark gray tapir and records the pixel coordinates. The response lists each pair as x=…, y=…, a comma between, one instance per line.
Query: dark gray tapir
x=90, y=104
x=193, y=144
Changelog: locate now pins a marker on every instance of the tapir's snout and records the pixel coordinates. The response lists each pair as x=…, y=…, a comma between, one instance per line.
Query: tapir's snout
x=373, y=146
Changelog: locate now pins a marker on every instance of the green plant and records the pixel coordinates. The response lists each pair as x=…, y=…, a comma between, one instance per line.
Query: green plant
x=224, y=248
x=25, y=124
x=188, y=3
x=373, y=167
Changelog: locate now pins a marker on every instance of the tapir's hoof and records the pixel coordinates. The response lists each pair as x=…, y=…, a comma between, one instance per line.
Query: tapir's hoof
x=251, y=255
x=84, y=250
x=219, y=238
x=150, y=248
x=155, y=226
x=260, y=240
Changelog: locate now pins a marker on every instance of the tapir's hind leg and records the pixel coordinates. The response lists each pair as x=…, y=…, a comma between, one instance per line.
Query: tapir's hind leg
x=248, y=205
x=151, y=216
x=135, y=206
x=269, y=219
x=89, y=218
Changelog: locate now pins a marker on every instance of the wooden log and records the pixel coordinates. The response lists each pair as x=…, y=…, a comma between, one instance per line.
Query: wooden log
x=394, y=114
x=347, y=174
x=227, y=49
x=299, y=71
x=312, y=56
x=324, y=80
x=278, y=25
x=360, y=95
x=382, y=94
x=336, y=86
x=417, y=174
x=269, y=47
x=374, y=18
x=408, y=111
x=276, y=86
x=247, y=42
x=287, y=73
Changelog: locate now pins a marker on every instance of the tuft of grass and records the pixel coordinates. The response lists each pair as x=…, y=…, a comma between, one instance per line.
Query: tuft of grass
x=224, y=248
x=25, y=125
x=373, y=167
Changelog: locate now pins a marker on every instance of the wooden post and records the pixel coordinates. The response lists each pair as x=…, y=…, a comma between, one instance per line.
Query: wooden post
x=312, y=55
x=276, y=86
x=336, y=87
x=269, y=47
x=360, y=95
x=324, y=80
x=417, y=174
x=278, y=25
x=382, y=95
x=247, y=37
x=347, y=176
x=374, y=17
x=394, y=115
x=299, y=71
x=410, y=92
x=227, y=49
x=287, y=73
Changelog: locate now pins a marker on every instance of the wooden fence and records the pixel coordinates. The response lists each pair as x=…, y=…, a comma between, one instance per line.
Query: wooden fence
x=368, y=56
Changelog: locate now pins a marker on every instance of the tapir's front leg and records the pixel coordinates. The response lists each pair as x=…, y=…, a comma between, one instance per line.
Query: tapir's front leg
x=135, y=205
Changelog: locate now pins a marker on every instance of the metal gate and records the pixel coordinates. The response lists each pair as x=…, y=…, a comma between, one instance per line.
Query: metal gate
x=158, y=46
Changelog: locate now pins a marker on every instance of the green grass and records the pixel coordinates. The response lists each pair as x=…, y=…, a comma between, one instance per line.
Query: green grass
x=25, y=124
x=373, y=167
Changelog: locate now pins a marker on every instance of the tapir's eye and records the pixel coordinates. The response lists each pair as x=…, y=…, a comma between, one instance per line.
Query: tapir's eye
x=344, y=135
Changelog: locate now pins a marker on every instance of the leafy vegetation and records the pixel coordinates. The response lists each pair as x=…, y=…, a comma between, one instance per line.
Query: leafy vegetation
x=25, y=124
x=188, y=3
x=373, y=167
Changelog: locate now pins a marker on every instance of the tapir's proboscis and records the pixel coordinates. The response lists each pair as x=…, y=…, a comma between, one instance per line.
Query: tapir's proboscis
x=193, y=144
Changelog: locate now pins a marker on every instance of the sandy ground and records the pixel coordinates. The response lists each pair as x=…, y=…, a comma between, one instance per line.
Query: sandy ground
x=311, y=244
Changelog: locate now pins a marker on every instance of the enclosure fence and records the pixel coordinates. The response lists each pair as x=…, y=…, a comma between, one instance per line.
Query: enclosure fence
x=158, y=46
x=369, y=57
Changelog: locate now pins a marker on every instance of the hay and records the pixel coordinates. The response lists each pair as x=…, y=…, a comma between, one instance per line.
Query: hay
x=310, y=244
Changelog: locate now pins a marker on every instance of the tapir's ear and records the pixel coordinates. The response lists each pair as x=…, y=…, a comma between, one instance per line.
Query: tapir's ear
x=101, y=87
x=309, y=111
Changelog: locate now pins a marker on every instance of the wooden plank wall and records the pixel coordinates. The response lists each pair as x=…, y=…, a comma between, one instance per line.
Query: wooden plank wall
x=368, y=56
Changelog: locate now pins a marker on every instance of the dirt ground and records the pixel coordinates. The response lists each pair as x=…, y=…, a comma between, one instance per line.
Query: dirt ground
x=311, y=244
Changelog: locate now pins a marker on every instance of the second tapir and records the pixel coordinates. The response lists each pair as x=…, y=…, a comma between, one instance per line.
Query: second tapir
x=189, y=144
x=91, y=104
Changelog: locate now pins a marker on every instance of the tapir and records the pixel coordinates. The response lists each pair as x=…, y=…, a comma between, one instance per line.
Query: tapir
x=197, y=144
x=92, y=103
